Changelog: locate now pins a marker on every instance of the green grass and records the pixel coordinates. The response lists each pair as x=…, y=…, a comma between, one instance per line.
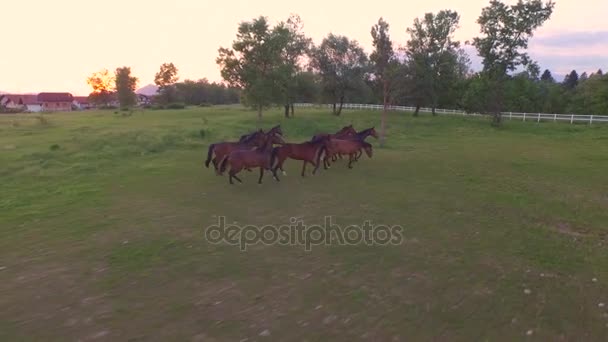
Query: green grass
x=102, y=222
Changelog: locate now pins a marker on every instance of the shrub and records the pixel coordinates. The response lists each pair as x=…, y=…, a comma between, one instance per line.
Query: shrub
x=176, y=106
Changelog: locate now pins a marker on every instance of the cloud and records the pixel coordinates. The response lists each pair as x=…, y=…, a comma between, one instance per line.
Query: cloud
x=563, y=52
x=572, y=39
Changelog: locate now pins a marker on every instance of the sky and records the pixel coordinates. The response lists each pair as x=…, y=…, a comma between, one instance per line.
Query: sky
x=55, y=45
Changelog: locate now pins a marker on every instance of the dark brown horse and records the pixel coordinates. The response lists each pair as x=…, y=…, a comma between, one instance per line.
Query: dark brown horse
x=345, y=147
x=274, y=130
x=362, y=135
x=342, y=133
x=308, y=152
x=224, y=148
x=246, y=159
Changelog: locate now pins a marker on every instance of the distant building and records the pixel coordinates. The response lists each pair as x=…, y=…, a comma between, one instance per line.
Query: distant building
x=56, y=102
x=82, y=102
x=43, y=102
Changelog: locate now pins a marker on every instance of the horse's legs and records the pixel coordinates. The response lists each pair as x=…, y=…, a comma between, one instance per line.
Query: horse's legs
x=350, y=161
x=304, y=168
x=261, y=175
x=274, y=174
x=233, y=172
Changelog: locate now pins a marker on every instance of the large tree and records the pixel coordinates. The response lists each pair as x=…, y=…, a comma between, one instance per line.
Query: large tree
x=547, y=76
x=571, y=80
x=430, y=47
x=102, y=84
x=125, y=87
x=342, y=65
x=165, y=79
x=381, y=58
x=251, y=63
x=292, y=45
x=505, y=31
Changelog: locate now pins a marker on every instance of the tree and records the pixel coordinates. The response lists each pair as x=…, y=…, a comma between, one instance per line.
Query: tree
x=251, y=63
x=428, y=49
x=381, y=59
x=506, y=30
x=102, y=83
x=165, y=79
x=571, y=80
x=292, y=45
x=125, y=87
x=547, y=76
x=342, y=65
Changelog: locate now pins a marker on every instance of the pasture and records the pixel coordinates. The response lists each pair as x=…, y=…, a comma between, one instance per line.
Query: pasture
x=102, y=221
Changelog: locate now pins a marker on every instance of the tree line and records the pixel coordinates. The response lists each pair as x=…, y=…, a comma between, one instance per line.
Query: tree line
x=121, y=86
x=280, y=65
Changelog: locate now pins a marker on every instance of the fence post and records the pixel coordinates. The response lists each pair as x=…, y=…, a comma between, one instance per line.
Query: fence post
x=538, y=118
x=524, y=116
x=554, y=117
x=510, y=115
x=591, y=119
x=571, y=118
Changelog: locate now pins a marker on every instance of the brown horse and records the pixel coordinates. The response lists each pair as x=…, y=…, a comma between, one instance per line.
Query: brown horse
x=274, y=130
x=224, y=148
x=246, y=159
x=342, y=133
x=346, y=147
x=308, y=152
x=362, y=135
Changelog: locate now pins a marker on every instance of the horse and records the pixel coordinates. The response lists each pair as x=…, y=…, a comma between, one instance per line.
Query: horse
x=246, y=159
x=274, y=130
x=349, y=147
x=224, y=148
x=344, y=132
x=362, y=135
x=308, y=152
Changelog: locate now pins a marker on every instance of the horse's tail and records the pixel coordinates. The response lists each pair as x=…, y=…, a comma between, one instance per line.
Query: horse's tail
x=273, y=156
x=224, y=163
x=209, y=154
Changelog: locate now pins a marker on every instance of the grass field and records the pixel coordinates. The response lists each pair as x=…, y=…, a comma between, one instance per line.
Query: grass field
x=102, y=222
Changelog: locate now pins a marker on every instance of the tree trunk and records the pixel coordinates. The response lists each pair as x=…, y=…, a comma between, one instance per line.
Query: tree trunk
x=341, y=104
x=417, y=110
x=334, y=109
x=434, y=104
x=383, y=119
x=287, y=110
x=292, y=110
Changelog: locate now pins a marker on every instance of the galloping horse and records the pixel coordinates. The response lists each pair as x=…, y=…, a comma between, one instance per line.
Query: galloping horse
x=274, y=130
x=362, y=135
x=347, y=147
x=309, y=152
x=224, y=148
x=344, y=133
x=246, y=159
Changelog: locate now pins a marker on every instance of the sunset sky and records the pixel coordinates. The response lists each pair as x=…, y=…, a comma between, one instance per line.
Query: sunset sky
x=55, y=45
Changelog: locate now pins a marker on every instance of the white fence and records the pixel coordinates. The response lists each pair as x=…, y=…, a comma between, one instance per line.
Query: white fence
x=535, y=117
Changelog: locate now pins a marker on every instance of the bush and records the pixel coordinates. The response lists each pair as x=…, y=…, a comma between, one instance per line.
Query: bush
x=176, y=106
x=205, y=104
x=54, y=147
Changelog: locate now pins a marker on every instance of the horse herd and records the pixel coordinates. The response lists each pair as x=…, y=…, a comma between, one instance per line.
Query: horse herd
x=257, y=149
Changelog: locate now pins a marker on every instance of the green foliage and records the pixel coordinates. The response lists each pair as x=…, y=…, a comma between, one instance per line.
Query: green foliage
x=434, y=57
x=251, y=64
x=506, y=30
x=342, y=66
x=125, y=87
x=165, y=79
